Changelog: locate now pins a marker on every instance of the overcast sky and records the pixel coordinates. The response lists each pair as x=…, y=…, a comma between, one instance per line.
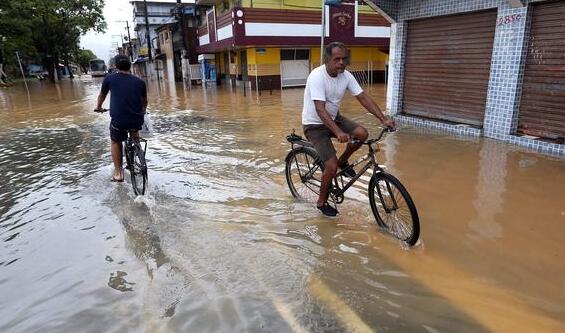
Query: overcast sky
x=115, y=10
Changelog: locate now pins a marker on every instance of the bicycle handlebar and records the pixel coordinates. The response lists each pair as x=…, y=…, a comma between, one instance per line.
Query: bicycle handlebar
x=371, y=141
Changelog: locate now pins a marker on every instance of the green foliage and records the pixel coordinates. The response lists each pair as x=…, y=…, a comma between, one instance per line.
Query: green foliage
x=16, y=30
x=83, y=59
x=48, y=30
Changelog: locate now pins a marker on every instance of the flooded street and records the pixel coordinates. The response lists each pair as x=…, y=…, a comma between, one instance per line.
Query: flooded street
x=219, y=244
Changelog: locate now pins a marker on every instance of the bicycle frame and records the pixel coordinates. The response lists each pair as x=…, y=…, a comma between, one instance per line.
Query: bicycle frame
x=337, y=191
x=372, y=162
x=390, y=202
x=131, y=141
x=129, y=146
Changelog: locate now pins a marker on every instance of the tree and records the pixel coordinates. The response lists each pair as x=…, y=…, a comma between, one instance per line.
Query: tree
x=16, y=32
x=49, y=29
x=83, y=59
x=63, y=22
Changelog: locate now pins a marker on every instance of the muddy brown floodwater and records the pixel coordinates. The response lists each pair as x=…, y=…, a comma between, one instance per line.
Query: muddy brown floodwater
x=219, y=245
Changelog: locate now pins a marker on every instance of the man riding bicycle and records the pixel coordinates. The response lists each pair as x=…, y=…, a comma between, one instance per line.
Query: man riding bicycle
x=321, y=119
x=128, y=102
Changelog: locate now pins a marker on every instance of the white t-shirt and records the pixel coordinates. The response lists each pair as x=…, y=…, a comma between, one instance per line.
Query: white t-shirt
x=320, y=86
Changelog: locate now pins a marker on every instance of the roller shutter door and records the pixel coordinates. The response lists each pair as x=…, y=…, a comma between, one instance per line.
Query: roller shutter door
x=447, y=66
x=542, y=107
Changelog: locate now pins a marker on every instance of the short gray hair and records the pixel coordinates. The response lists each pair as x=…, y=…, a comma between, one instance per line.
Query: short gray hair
x=330, y=47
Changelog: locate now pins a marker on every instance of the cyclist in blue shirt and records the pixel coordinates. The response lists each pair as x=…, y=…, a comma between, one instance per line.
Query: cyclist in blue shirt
x=128, y=101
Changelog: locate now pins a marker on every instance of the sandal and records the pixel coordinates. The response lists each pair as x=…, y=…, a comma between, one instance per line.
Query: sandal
x=328, y=210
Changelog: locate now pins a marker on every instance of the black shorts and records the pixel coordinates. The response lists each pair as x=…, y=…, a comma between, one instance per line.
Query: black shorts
x=120, y=134
x=320, y=136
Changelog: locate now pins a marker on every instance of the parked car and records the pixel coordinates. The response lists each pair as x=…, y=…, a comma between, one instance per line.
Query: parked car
x=38, y=74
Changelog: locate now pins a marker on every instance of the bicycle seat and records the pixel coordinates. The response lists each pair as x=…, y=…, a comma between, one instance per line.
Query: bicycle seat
x=294, y=138
x=298, y=140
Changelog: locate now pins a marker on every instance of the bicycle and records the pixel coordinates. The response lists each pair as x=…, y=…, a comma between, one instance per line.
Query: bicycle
x=135, y=160
x=390, y=202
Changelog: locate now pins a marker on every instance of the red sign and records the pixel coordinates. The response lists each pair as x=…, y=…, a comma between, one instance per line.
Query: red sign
x=342, y=18
x=342, y=22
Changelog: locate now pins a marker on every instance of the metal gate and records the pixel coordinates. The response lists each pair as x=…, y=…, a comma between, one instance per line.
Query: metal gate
x=542, y=107
x=295, y=67
x=448, y=66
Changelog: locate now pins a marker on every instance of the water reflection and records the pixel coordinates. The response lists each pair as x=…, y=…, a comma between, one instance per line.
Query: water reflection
x=218, y=244
x=491, y=185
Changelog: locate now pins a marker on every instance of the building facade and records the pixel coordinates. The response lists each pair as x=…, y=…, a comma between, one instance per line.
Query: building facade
x=276, y=43
x=158, y=13
x=492, y=68
x=176, y=43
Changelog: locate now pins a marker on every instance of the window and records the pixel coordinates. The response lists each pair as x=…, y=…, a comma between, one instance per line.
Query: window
x=295, y=54
x=287, y=54
x=302, y=54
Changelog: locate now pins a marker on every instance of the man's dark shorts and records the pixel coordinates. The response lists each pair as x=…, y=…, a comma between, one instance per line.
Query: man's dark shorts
x=119, y=134
x=320, y=136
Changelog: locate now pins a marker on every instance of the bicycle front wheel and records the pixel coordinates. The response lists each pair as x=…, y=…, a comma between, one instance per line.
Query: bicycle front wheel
x=304, y=174
x=393, y=207
x=138, y=170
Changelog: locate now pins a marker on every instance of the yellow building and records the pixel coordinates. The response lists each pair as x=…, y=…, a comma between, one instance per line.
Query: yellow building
x=276, y=43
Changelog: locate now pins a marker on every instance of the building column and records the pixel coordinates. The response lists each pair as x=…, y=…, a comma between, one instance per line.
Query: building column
x=233, y=59
x=397, y=56
x=186, y=80
x=506, y=72
x=170, y=68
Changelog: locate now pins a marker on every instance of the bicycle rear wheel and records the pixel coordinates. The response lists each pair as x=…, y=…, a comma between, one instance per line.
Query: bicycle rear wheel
x=138, y=169
x=393, y=207
x=304, y=174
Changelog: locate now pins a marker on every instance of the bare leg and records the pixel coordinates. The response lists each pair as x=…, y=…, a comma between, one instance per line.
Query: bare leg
x=116, y=150
x=327, y=176
x=361, y=134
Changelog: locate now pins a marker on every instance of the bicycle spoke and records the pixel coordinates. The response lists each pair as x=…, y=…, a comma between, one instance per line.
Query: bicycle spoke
x=138, y=170
x=314, y=188
x=393, y=209
x=398, y=228
x=298, y=166
x=304, y=176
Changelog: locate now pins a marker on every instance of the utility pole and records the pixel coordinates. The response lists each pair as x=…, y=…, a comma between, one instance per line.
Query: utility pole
x=323, y=33
x=185, y=61
x=129, y=40
x=147, y=34
x=130, y=44
x=22, y=69
x=180, y=9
